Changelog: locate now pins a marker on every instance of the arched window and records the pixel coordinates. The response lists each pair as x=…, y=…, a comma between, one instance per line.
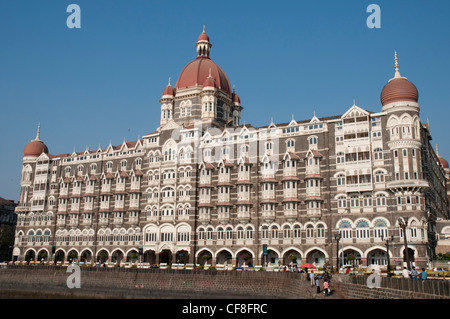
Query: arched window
x=381, y=200
x=340, y=158
x=309, y=231
x=345, y=229
x=229, y=233
x=274, y=232
x=342, y=202
x=286, y=231
x=201, y=234
x=220, y=233
x=378, y=153
x=312, y=140
x=379, y=177
x=380, y=229
x=265, y=232
x=340, y=180
x=297, y=231
x=249, y=232
x=320, y=231
x=362, y=229
x=240, y=232
x=209, y=233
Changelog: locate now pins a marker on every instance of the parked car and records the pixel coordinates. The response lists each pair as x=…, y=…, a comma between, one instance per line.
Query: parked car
x=438, y=272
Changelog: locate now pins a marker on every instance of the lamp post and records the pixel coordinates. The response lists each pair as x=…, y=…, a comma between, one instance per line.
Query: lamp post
x=338, y=238
x=387, y=250
x=402, y=224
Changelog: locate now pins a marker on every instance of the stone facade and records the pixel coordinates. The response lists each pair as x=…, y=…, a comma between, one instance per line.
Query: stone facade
x=206, y=188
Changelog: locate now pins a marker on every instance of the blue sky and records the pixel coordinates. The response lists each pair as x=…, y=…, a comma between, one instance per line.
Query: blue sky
x=103, y=81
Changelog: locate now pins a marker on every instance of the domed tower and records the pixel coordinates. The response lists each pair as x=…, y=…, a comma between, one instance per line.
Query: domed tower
x=399, y=93
x=36, y=147
x=407, y=179
x=399, y=99
x=202, y=93
x=167, y=104
x=237, y=108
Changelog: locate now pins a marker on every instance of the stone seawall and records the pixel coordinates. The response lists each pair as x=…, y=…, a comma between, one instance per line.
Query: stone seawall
x=51, y=282
x=356, y=287
x=154, y=283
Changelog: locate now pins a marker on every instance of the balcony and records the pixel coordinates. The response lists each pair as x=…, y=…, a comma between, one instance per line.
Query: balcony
x=73, y=222
x=268, y=216
x=204, y=217
x=103, y=222
x=118, y=221
x=223, y=217
x=87, y=221
x=243, y=216
x=362, y=187
x=314, y=212
x=290, y=214
x=133, y=220
x=167, y=218
x=415, y=184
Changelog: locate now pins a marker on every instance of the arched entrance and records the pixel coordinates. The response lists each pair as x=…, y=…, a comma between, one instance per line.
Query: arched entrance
x=292, y=256
x=316, y=257
x=86, y=256
x=102, y=256
x=165, y=257
x=117, y=256
x=351, y=258
x=271, y=258
x=182, y=257
x=72, y=256
x=150, y=257
x=244, y=257
x=204, y=257
x=59, y=256
x=224, y=257
x=30, y=256
x=377, y=257
x=42, y=256
x=132, y=256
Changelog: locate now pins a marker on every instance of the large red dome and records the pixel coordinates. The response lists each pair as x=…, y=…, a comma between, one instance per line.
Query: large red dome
x=399, y=89
x=197, y=71
x=35, y=148
x=443, y=162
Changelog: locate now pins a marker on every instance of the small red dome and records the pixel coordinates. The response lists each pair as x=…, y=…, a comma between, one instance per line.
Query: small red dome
x=197, y=72
x=443, y=162
x=168, y=90
x=203, y=37
x=236, y=98
x=399, y=89
x=35, y=148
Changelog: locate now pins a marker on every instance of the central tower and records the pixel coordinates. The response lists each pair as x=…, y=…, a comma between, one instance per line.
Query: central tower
x=201, y=93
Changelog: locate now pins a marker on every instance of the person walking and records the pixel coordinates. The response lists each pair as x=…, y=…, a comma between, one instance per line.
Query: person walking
x=311, y=278
x=326, y=288
x=423, y=275
x=316, y=278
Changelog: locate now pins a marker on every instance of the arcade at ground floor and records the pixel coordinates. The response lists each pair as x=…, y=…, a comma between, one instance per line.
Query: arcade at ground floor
x=266, y=255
